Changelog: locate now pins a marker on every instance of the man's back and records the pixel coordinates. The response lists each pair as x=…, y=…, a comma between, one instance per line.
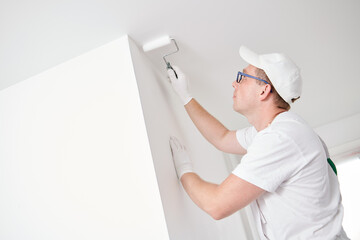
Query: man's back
x=287, y=160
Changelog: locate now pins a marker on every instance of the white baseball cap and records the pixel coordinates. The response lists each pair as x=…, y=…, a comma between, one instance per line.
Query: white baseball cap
x=281, y=70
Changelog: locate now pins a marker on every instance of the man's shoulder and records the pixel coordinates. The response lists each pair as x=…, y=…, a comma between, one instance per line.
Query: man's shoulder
x=289, y=116
x=289, y=130
x=290, y=124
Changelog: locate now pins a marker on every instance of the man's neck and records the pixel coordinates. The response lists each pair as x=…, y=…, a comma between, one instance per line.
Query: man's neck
x=263, y=118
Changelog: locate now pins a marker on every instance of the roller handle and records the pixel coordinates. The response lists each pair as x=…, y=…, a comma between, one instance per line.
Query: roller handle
x=170, y=67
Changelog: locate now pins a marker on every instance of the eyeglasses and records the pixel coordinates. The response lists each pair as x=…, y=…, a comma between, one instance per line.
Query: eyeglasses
x=241, y=74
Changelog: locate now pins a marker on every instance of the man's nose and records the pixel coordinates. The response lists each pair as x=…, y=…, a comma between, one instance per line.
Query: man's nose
x=234, y=84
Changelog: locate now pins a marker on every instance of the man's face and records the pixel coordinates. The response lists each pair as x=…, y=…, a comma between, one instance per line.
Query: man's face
x=245, y=92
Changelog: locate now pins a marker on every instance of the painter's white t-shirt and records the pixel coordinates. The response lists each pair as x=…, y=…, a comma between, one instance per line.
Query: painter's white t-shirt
x=302, y=198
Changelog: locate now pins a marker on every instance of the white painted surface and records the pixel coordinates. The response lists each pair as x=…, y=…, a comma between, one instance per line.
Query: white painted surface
x=348, y=173
x=75, y=161
x=166, y=116
x=342, y=137
x=321, y=36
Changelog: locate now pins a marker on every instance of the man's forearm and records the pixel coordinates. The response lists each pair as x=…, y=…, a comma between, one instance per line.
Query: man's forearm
x=208, y=125
x=203, y=194
x=222, y=200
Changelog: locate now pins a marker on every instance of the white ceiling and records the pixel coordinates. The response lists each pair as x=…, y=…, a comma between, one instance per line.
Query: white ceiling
x=321, y=36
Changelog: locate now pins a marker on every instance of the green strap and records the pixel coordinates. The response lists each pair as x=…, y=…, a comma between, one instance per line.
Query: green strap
x=332, y=165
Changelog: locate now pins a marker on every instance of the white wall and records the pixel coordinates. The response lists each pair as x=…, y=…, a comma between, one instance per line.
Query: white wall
x=75, y=161
x=165, y=116
x=342, y=137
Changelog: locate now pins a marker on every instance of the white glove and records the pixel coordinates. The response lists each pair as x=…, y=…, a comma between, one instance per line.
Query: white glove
x=180, y=84
x=180, y=157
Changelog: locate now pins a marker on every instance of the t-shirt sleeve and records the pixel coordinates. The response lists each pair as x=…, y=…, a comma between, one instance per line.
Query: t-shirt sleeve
x=245, y=136
x=270, y=160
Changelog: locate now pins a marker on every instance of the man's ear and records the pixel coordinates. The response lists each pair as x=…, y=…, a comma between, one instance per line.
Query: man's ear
x=265, y=91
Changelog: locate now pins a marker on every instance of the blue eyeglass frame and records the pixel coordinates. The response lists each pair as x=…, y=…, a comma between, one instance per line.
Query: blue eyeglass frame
x=241, y=74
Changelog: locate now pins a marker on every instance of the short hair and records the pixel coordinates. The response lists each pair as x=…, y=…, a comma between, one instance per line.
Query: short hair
x=278, y=100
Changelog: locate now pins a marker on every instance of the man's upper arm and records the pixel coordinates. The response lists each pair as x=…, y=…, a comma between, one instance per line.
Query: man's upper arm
x=234, y=194
x=230, y=144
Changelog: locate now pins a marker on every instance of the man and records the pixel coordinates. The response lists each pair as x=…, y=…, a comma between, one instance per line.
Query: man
x=284, y=174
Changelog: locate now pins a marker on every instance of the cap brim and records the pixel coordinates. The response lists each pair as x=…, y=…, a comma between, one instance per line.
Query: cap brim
x=249, y=56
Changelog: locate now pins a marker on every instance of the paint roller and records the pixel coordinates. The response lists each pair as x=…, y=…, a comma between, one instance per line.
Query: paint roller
x=160, y=42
